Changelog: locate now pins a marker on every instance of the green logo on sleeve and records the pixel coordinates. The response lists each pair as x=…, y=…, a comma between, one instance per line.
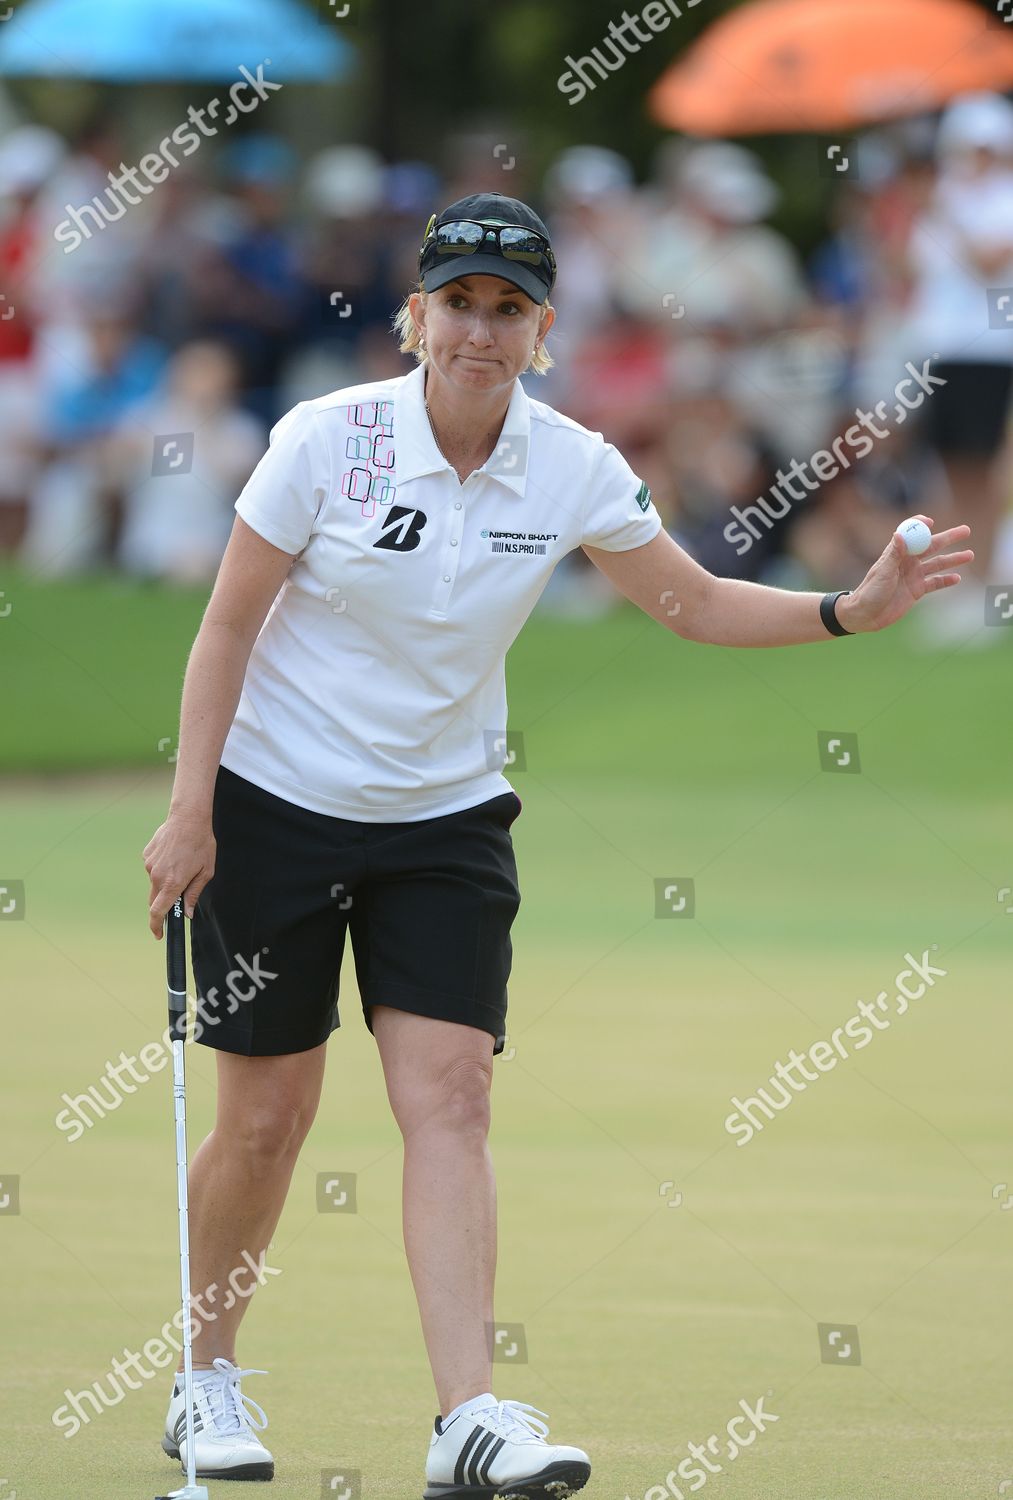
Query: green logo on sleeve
x=643, y=497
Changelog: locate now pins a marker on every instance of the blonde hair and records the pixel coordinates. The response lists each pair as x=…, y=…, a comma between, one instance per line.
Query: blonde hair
x=410, y=340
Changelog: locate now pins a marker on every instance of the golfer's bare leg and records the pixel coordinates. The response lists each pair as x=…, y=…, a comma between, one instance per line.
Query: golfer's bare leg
x=438, y=1077
x=979, y=499
x=239, y=1178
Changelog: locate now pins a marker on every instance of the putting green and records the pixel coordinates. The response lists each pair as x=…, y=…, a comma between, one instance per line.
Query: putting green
x=869, y=1201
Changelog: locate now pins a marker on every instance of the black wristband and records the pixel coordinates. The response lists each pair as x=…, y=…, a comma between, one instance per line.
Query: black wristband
x=828, y=613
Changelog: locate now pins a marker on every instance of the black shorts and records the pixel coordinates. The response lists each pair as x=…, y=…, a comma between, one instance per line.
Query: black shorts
x=429, y=906
x=967, y=417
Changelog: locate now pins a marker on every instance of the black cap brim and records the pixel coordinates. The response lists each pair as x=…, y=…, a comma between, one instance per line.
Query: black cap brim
x=456, y=267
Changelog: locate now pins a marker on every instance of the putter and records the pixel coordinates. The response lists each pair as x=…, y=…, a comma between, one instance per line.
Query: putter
x=175, y=960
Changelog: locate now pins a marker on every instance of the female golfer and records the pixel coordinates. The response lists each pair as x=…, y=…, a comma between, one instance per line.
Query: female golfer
x=342, y=739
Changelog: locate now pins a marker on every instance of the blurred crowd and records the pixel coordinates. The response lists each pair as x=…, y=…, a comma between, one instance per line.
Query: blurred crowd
x=140, y=375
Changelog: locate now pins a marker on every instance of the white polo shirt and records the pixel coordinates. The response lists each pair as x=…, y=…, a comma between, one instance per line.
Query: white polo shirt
x=376, y=688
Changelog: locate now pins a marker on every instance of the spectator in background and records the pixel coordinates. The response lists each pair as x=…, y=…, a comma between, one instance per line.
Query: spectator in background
x=485, y=161
x=707, y=250
x=861, y=282
x=113, y=251
x=28, y=158
x=410, y=188
x=860, y=274
x=594, y=209
x=190, y=220
x=862, y=268
x=177, y=523
x=609, y=370
x=341, y=260
x=715, y=460
x=747, y=388
x=410, y=191
x=841, y=530
x=962, y=247
x=73, y=518
x=843, y=270
x=247, y=290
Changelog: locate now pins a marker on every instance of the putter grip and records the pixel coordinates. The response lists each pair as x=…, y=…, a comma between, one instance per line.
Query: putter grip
x=175, y=960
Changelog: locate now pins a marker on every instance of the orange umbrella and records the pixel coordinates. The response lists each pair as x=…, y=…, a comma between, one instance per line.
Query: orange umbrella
x=780, y=65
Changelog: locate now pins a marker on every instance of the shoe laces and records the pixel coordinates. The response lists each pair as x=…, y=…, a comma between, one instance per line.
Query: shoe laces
x=231, y=1410
x=510, y=1420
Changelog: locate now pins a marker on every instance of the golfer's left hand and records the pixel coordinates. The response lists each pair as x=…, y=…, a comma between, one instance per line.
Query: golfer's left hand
x=897, y=580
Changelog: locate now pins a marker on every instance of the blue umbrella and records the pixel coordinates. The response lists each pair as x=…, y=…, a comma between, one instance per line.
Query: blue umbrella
x=130, y=41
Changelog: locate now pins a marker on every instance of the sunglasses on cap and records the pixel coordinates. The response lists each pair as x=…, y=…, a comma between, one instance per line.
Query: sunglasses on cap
x=465, y=236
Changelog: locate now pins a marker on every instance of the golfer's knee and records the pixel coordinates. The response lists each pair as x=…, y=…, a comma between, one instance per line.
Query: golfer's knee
x=460, y=1098
x=268, y=1134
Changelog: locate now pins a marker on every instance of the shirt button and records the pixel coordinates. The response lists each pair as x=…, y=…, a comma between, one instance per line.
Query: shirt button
x=446, y=578
x=457, y=505
x=453, y=541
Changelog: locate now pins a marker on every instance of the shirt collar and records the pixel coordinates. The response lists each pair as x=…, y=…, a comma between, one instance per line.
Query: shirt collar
x=416, y=453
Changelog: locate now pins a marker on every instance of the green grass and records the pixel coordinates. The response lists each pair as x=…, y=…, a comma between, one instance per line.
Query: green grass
x=869, y=1201
x=94, y=670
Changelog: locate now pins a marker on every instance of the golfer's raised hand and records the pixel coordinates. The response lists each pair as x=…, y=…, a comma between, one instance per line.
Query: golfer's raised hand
x=180, y=856
x=897, y=580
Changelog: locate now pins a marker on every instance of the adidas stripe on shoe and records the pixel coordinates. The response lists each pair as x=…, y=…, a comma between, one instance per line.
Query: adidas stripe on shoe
x=226, y=1446
x=494, y=1450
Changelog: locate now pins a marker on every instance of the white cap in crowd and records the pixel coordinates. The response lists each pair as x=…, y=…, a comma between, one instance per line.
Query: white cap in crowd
x=345, y=182
x=729, y=181
x=982, y=122
x=584, y=174
x=29, y=156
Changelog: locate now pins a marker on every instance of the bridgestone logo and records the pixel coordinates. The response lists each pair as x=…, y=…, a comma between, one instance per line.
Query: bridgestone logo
x=536, y=548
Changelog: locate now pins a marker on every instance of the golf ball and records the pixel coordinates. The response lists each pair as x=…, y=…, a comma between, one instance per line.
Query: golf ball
x=915, y=535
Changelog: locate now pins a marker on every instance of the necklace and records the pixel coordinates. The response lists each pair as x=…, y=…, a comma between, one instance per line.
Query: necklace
x=438, y=444
x=432, y=426
x=436, y=440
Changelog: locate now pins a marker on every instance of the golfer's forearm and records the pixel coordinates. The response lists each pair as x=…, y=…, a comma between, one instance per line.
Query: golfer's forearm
x=750, y=614
x=211, y=689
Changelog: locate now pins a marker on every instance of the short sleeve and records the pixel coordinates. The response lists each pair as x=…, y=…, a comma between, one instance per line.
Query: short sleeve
x=282, y=497
x=619, y=513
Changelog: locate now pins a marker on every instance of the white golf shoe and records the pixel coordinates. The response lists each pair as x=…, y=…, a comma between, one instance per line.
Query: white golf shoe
x=494, y=1450
x=225, y=1443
